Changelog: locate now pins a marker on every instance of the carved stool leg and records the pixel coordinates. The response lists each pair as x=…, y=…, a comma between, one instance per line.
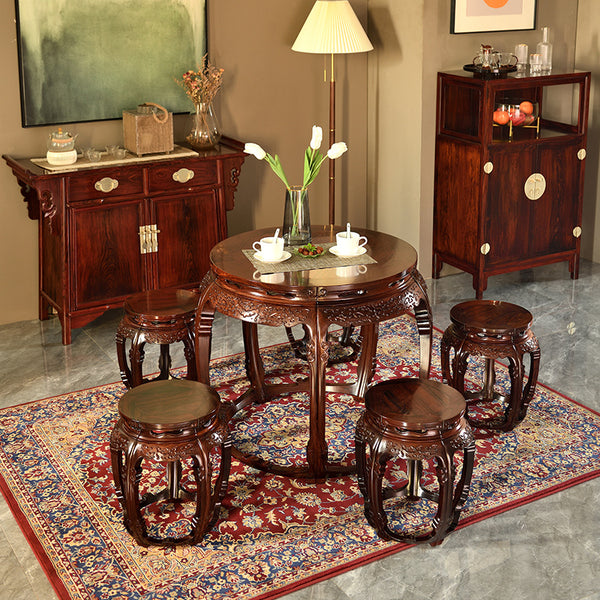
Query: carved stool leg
x=203, y=477
x=534, y=368
x=513, y=409
x=489, y=379
x=463, y=487
x=131, y=493
x=126, y=376
x=374, y=471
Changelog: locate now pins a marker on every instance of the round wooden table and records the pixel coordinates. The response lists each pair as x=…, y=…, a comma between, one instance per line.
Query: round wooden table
x=316, y=299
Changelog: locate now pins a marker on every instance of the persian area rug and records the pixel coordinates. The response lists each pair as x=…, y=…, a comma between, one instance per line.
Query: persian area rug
x=275, y=534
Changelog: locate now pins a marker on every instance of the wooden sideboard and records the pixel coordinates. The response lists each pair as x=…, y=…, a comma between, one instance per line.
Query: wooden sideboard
x=108, y=231
x=505, y=203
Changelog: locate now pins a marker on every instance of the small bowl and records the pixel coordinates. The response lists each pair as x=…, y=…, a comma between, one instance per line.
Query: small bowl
x=524, y=114
x=94, y=155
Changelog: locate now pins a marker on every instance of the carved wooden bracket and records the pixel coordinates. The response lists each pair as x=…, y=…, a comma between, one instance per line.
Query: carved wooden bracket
x=30, y=197
x=232, y=167
x=48, y=211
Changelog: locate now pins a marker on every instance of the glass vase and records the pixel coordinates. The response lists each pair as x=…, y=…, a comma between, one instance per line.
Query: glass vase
x=206, y=132
x=296, y=217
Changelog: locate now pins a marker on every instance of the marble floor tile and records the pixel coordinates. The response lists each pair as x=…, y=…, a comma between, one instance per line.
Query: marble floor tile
x=547, y=549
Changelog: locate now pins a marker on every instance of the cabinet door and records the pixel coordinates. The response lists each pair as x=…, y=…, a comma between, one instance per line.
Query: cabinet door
x=508, y=224
x=556, y=213
x=106, y=264
x=189, y=227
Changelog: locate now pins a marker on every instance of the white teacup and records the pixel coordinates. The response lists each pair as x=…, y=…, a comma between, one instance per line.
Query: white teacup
x=269, y=277
x=353, y=271
x=348, y=243
x=270, y=248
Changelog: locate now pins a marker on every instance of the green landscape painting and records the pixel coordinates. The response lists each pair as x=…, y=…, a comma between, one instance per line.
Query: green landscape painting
x=88, y=60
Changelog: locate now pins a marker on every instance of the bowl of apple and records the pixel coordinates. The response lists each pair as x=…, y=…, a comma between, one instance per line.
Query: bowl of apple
x=524, y=114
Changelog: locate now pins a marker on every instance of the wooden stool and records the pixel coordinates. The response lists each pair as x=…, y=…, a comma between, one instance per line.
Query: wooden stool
x=171, y=421
x=493, y=330
x=414, y=419
x=157, y=317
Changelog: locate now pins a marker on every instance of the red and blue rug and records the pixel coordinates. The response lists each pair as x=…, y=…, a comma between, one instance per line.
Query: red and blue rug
x=275, y=534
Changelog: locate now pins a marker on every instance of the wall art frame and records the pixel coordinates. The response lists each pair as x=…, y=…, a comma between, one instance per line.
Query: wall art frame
x=88, y=60
x=476, y=16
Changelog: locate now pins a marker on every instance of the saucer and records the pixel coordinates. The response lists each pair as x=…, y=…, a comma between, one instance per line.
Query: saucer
x=284, y=256
x=334, y=250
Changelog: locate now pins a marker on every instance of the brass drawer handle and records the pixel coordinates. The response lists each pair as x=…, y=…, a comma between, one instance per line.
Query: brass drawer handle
x=106, y=184
x=183, y=175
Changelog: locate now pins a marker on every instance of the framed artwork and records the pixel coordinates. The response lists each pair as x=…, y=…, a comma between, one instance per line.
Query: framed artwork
x=88, y=60
x=473, y=16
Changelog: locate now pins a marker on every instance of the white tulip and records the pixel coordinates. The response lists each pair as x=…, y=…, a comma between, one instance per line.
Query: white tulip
x=317, y=137
x=255, y=150
x=337, y=150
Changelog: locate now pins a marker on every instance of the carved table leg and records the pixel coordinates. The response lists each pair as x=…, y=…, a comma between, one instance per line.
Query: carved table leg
x=164, y=362
x=189, y=353
x=424, y=320
x=365, y=368
x=136, y=358
x=254, y=366
x=205, y=315
x=317, y=355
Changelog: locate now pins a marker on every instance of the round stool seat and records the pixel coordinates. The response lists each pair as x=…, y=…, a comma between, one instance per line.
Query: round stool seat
x=189, y=403
x=415, y=404
x=171, y=421
x=416, y=420
x=491, y=317
x=493, y=330
x=157, y=317
x=161, y=305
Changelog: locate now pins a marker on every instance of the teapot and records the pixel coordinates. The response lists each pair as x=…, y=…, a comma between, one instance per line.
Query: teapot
x=491, y=59
x=61, y=148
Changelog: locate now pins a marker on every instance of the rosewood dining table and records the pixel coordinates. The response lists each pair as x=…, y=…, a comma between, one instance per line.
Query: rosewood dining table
x=316, y=299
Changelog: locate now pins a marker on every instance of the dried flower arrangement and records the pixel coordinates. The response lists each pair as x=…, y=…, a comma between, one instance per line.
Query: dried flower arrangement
x=201, y=86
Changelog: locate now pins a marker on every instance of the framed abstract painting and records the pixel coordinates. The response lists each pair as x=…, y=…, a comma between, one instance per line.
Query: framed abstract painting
x=88, y=60
x=473, y=16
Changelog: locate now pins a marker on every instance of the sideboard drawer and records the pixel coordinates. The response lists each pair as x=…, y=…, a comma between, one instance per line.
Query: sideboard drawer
x=182, y=175
x=113, y=182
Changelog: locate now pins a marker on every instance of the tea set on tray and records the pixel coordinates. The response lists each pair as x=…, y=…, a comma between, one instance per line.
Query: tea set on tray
x=271, y=249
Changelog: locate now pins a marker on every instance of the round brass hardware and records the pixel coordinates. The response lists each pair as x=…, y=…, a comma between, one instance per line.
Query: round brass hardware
x=488, y=167
x=106, y=184
x=183, y=175
x=577, y=231
x=581, y=154
x=485, y=248
x=535, y=186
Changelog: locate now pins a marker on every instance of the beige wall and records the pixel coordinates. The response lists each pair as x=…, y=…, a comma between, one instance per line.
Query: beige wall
x=272, y=95
x=588, y=58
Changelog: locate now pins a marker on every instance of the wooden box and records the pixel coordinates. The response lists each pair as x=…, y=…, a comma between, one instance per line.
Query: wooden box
x=146, y=131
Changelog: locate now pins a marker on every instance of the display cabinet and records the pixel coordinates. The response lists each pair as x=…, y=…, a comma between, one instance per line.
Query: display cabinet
x=509, y=182
x=107, y=231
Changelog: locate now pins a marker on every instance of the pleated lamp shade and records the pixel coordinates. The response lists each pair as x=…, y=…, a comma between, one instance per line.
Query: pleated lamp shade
x=332, y=27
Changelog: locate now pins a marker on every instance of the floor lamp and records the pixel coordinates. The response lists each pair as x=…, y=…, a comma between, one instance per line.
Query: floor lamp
x=332, y=28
